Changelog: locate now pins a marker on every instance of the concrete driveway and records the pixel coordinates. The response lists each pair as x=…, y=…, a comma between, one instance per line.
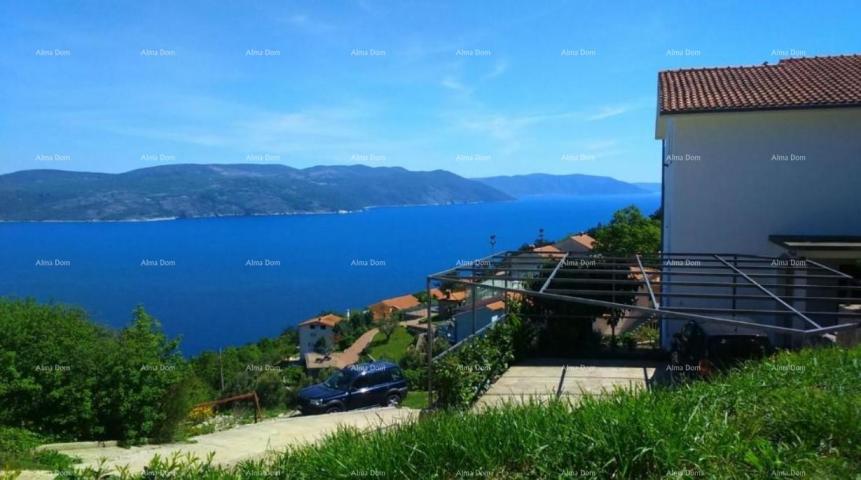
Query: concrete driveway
x=542, y=379
x=241, y=443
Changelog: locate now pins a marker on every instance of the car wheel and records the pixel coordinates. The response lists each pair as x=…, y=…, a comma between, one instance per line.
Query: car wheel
x=393, y=400
x=334, y=409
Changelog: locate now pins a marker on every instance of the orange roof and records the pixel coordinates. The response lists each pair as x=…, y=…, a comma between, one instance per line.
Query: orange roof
x=585, y=240
x=455, y=296
x=498, y=305
x=404, y=302
x=547, y=249
x=792, y=83
x=576, y=243
x=328, y=320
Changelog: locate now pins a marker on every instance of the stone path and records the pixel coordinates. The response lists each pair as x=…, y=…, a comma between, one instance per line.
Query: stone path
x=245, y=442
x=542, y=379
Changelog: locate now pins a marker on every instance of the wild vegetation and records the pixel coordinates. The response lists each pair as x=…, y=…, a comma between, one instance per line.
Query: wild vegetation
x=67, y=377
x=462, y=375
x=792, y=415
x=629, y=232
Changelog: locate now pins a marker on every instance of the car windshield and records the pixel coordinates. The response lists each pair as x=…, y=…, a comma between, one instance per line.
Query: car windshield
x=340, y=380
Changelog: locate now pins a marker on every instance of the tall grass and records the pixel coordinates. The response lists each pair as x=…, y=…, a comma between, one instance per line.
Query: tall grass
x=795, y=415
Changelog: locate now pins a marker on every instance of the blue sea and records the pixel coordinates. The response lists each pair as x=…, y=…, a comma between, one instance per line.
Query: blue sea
x=228, y=281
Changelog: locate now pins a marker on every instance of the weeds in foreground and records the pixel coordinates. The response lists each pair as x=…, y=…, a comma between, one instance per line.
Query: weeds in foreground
x=792, y=415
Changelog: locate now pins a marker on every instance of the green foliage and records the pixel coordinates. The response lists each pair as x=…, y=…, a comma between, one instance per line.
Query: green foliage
x=417, y=399
x=461, y=376
x=629, y=232
x=141, y=375
x=393, y=348
x=565, y=328
x=350, y=330
x=17, y=452
x=795, y=415
x=72, y=379
x=253, y=367
x=51, y=358
x=389, y=323
x=414, y=361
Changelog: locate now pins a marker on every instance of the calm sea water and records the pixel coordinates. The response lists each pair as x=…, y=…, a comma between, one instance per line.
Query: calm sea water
x=228, y=281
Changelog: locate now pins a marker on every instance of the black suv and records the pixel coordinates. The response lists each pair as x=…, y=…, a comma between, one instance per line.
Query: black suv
x=357, y=386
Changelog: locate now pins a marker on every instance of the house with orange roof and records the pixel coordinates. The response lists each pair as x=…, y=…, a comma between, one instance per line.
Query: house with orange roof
x=580, y=243
x=389, y=306
x=311, y=331
x=547, y=250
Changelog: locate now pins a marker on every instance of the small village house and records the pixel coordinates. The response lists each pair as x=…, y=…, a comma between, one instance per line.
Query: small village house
x=390, y=306
x=311, y=332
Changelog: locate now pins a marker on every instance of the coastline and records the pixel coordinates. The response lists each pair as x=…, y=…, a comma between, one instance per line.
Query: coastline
x=326, y=212
x=285, y=214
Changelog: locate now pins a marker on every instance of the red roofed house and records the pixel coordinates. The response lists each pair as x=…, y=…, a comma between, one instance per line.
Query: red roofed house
x=762, y=160
x=580, y=243
x=389, y=306
x=312, y=330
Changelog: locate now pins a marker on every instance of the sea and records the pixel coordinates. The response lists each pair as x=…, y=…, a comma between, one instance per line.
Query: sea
x=217, y=282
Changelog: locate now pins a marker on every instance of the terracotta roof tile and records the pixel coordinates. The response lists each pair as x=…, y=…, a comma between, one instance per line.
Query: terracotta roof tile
x=454, y=296
x=329, y=320
x=403, y=302
x=812, y=82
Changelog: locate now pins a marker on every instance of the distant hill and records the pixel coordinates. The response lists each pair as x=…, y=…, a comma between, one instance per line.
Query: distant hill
x=650, y=186
x=544, y=184
x=192, y=190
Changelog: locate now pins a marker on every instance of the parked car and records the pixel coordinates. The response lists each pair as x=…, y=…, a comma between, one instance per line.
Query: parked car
x=356, y=386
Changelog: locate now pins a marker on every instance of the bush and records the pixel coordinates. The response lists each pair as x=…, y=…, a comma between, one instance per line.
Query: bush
x=17, y=452
x=797, y=415
x=66, y=377
x=51, y=369
x=461, y=376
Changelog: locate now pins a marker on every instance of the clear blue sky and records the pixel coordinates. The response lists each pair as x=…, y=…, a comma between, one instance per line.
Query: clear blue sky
x=212, y=93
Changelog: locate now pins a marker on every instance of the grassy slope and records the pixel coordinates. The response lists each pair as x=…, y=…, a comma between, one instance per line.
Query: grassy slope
x=393, y=350
x=795, y=415
x=416, y=399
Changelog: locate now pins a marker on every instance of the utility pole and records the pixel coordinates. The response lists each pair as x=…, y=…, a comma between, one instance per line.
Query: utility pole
x=221, y=369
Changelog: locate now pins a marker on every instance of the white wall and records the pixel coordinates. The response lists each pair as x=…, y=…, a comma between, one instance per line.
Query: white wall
x=735, y=196
x=729, y=193
x=308, y=337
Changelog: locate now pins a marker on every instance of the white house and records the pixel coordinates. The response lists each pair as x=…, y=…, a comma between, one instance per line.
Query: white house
x=312, y=330
x=762, y=160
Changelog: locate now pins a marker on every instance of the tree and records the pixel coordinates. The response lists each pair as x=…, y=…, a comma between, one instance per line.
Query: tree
x=322, y=346
x=145, y=368
x=629, y=232
x=388, y=325
x=62, y=375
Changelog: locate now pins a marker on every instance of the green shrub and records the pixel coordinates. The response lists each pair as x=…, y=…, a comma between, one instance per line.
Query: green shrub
x=67, y=377
x=461, y=376
x=17, y=452
x=51, y=366
x=795, y=415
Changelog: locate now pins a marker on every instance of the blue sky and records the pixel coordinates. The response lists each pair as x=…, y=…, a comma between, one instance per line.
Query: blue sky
x=478, y=88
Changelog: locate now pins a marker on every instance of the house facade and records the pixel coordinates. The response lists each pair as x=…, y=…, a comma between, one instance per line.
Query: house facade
x=312, y=331
x=762, y=160
x=389, y=306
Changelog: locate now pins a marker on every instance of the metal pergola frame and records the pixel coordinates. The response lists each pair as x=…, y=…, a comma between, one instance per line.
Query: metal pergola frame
x=785, y=282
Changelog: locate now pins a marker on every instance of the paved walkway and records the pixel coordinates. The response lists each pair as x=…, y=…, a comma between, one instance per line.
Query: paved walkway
x=246, y=442
x=542, y=379
x=343, y=358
